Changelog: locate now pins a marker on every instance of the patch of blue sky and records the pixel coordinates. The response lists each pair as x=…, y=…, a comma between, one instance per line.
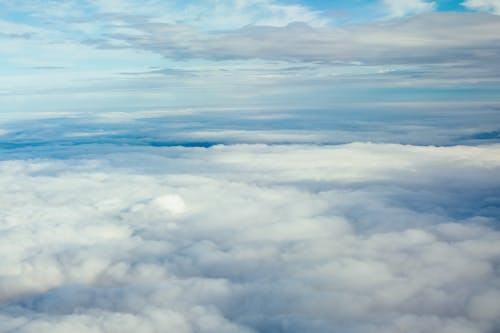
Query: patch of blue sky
x=450, y=5
x=357, y=5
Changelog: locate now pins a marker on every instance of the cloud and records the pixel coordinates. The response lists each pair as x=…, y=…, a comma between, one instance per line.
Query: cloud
x=399, y=8
x=276, y=32
x=251, y=238
x=416, y=123
x=94, y=15
x=462, y=38
x=492, y=6
x=173, y=204
x=274, y=60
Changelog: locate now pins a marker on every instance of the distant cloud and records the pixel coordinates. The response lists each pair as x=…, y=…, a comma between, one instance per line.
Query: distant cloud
x=411, y=41
x=236, y=53
x=483, y=5
x=204, y=14
x=401, y=8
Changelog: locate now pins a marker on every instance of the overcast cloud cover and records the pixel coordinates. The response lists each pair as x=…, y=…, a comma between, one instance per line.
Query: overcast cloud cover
x=249, y=166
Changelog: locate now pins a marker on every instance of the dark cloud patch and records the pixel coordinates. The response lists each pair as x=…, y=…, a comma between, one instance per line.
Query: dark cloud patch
x=486, y=135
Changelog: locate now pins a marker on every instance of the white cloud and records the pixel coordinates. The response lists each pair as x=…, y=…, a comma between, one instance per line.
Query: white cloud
x=401, y=8
x=171, y=203
x=252, y=238
x=483, y=5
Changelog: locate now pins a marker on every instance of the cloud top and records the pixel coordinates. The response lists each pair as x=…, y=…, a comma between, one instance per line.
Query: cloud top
x=252, y=238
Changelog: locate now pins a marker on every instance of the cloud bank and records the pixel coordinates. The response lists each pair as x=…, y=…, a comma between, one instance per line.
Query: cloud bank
x=252, y=238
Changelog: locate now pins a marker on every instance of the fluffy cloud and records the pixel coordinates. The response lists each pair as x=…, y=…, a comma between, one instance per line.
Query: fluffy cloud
x=251, y=238
x=483, y=5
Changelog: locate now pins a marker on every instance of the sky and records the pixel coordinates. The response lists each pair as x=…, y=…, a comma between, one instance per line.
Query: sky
x=342, y=68
x=238, y=166
x=110, y=55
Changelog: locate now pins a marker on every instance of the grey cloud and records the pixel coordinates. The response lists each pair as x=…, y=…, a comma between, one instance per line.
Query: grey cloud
x=48, y=67
x=174, y=72
x=25, y=35
x=428, y=38
x=351, y=238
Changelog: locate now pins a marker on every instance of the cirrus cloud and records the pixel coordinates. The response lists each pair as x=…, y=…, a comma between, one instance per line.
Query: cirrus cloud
x=399, y=8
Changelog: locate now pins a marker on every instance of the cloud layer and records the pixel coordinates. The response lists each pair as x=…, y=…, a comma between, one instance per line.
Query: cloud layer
x=252, y=238
x=458, y=123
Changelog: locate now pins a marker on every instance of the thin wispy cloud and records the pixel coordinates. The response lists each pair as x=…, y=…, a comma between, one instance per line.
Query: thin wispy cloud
x=401, y=8
x=492, y=6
